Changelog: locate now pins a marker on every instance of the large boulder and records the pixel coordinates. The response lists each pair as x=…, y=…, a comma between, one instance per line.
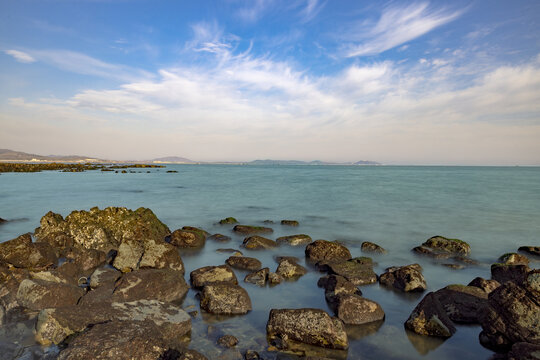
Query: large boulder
x=513, y=259
x=486, y=285
x=252, y=230
x=10, y=279
x=454, y=246
x=102, y=229
x=429, y=318
x=463, y=304
x=210, y=275
x=103, y=276
x=289, y=269
x=21, y=252
x=356, y=310
x=244, y=263
x=294, y=240
x=225, y=299
x=150, y=284
x=39, y=294
x=405, y=278
x=326, y=250
x=188, y=238
x=370, y=247
x=504, y=272
x=133, y=255
x=308, y=326
x=359, y=271
x=257, y=242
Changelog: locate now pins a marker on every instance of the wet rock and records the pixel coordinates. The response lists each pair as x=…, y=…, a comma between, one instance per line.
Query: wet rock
x=103, y=229
x=227, y=341
x=248, y=229
x=513, y=259
x=454, y=266
x=257, y=242
x=21, y=252
x=86, y=260
x=244, y=263
x=219, y=238
x=372, y=248
x=326, y=250
x=425, y=251
x=355, y=310
x=161, y=255
x=187, y=354
x=230, y=251
x=486, y=285
x=279, y=258
x=463, y=304
x=188, y=239
x=429, y=318
x=39, y=294
x=524, y=351
x=251, y=355
x=55, y=325
x=197, y=230
x=151, y=284
x=289, y=222
x=359, y=271
x=512, y=314
x=228, y=220
x=288, y=269
x=405, y=278
x=209, y=275
x=533, y=250
x=503, y=273
x=309, y=326
x=295, y=240
x=258, y=277
x=443, y=244
x=2, y=220
x=104, y=275
x=336, y=285
x=274, y=279
x=225, y=299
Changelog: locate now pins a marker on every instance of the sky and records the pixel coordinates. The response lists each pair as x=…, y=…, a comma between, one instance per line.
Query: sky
x=399, y=82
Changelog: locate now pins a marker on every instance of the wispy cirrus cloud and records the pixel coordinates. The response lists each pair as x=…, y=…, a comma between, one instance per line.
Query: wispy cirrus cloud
x=254, y=10
x=20, y=56
x=397, y=25
x=311, y=9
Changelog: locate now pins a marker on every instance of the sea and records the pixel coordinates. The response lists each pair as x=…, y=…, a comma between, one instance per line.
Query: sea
x=494, y=209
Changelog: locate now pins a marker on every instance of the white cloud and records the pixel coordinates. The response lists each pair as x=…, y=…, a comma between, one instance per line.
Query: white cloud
x=312, y=9
x=254, y=11
x=20, y=56
x=397, y=25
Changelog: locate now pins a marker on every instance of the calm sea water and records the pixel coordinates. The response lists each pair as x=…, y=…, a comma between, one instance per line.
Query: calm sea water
x=495, y=209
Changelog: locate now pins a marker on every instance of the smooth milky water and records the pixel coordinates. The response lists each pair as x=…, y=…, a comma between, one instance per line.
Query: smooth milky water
x=494, y=209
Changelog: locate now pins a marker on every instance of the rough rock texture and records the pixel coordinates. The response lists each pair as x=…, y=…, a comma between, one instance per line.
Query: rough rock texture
x=186, y=354
x=39, y=294
x=225, y=299
x=54, y=325
x=463, y=304
x=102, y=229
x=326, y=250
x=429, y=318
x=161, y=255
x=533, y=250
x=289, y=269
x=372, y=248
x=336, y=285
x=405, y=278
x=86, y=260
x=188, y=238
x=21, y=252
x=486, y=285
x=10, y=279
x=257, y=242
x=209, y=275
x=309, y=326
x=274, y=279
x=258, y=277
x=234, y=252
x=524, y=351
x=104, y=275
x=228, y=220
x=295, y=240
x=290, y=222
x=452, y=246
x=227, y=341
x=356, y=310
x=219, y=238
x=513, y=314
x=513, y=259
x=249, y=230
x=359, y=271
x=244, y=263
x=151, y=284
x=503, y=273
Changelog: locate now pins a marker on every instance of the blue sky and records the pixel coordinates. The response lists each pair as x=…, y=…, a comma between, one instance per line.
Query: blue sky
x=419, y=82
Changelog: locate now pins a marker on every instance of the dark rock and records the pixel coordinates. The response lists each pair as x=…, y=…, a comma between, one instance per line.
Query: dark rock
x=2, y=220
x=39, y=294
x=463, y=304
x=295, y=240
x=454, y=266
x=151, y=284
x=359, y=271
x=244, y=263
x=187, y=354
x=187, y=239
x=258, y=277
x=372, y=248
x=274, y=278
x=289, y=269
x=225, y=299
x=422, y=250
x=101, y=295
x=227, y=341
x=133, y=255
x=309, y=326
x=219, y=238
x=86, y=259
x=21, y=252
x=513, y=259
x=210, y=275
x=289, y=222
x=248, y=230
x=257, y=242
x=336, y=285
x=230, y=251
x=486, y=285
x=279, y=258
x=533, y=250
x=326, y=250
x=228, y=220
x=405, y=278
x=524, y=351
x=429, y=318
x=104, y=275
x=268, y=222
x=503, y=273
x=454, y=246
x=10, y=279
x=355, y=310
x=251, y=355
x=197, y=230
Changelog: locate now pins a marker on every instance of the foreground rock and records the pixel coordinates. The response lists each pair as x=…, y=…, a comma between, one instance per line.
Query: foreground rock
x=372, y=248
x=429, y=318
x=101, y=229
x=133, y=255
x=252, y=230
x=443, y=248
x=359, y=270
x=40, y=294
x=21, y=252
x=356, y=310
x=533, y=250
x=258, y=277
x=103, y=276
x=336, y=285
x=463, y=304
x=309, y=326
x=405, y=278
x=503, y=273
x=257, y=242
x=513, y=259
x=225, y=299
x=210, y=275
x=151, y=284
x=289, y=269
x=188, y=239
x=244, y=263
x=295, y=240
x=524, y=351
x=55, y=325
x=486, y=285
x=326, y=250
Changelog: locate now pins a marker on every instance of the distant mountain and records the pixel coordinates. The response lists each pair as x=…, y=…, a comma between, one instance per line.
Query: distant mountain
x=11, y=155
x=173, y=160
x=366, y=162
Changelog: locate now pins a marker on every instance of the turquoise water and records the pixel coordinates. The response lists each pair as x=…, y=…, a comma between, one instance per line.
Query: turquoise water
x=495, y=209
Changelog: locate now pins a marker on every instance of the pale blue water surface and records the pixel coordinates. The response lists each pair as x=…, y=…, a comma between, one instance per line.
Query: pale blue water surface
x=494, y=209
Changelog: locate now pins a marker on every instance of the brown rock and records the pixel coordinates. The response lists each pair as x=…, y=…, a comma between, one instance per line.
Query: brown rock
x=359, y=271
x=225, y=299
x=227, y=341
x=326, y=250
x=104, y=275
x=210, y=275
x=151, y=284
x=187, y=239
x=533, y=250
x=463, y=304
x=429, y=318
x=39, y=294
x=337, y=285
x=405, y=278
x=244, y=263
x=289, y=222
x=219, y=238
x=258, y=277
x=274, y=278
x=372, y=248
x=356, y=310
x=257, y=242
x=513, y=259
x=21, y=252
x=503, y=273
x=486, y=285
x=295, y=240
x=524, y=351
x=248, y=229
x=288, y=269
x=454, y=246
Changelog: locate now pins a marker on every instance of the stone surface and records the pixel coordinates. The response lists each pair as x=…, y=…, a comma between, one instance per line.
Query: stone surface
x=288, y=269
x=405, y=278
x=228, y=220
x=257, y=242
x=486, y=285
x=370, y=247
x=104, y=275
x=188, y=239
x=463, y=304
x=219, y=238
x=513, y=259
x=274, y=279
x=39, y=294
x=524, y=351
x=309, y=326
x=336, y=285
x=356, y=310
x=10, y=279
x=289, y=222
x=244, y=263
x=227, y=341
x=359, y=271
x=429, y=318
x=209, y=275
x=259, y=277
x=533, y=250
x=21, y=252
x=454, y=246
x=161, y=255
x=326, y=250
x=503, y=273
x=225, y=299
x=249, y=230
x=234, y=252
x=294, y=240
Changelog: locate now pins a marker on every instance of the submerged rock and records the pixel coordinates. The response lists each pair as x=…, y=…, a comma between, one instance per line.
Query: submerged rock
x=533, y=250
x=486, y=285
x=39, y=294
x=150, y=284
x=259, y=277
x=429, y=318
x=244, y=263
x=227, y=341
x=21, y=252
x=225, y=299
x=257, y=242
x=372, y=248
x=309, y=326
x=219, y=238
x=359, y=271
x=249, y=230
x=295, y=240
x=326, y=250
x=234, y=252
x=405, y=278
x=188, y=238
x=228, y=220
x=454, y=246
x=288, y=269
x=210, y=275
x=290, y=222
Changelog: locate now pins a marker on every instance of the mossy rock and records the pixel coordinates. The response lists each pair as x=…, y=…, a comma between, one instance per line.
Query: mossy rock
x=441, y=243
x=249, y=229
x=513, y=259
x=228, y=220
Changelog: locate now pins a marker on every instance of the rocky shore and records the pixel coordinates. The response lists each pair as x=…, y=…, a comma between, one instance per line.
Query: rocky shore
x=110, y=283
x=69, y=167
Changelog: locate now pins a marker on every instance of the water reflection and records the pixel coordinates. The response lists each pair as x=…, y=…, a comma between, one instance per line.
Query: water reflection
x=424, y=344
x=357, y=332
